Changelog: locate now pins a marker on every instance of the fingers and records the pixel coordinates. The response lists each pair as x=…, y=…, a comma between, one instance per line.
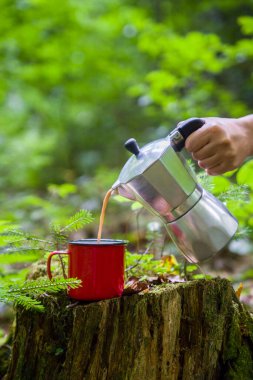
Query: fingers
x=197, y=140
x=207, y=156
x=217, y=145
x=204, y=149
x=204, y=153
x=210, y=162
x=209, y=132
x=217, y=170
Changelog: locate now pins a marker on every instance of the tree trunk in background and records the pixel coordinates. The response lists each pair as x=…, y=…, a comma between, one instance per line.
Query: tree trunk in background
x=193, y=331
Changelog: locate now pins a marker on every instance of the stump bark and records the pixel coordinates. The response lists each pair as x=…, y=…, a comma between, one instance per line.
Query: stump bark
x=193, y=331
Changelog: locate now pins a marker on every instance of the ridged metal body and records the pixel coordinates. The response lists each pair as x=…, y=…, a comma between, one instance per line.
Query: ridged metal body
x=160, y=179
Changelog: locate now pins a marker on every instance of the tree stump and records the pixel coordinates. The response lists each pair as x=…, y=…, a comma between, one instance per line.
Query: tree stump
x=193, y=331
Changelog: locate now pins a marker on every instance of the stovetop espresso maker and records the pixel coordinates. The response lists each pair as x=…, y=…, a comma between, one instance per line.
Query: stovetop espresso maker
x=158, y=176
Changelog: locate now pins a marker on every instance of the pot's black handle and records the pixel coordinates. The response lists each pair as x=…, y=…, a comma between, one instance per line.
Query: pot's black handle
x=185, y=129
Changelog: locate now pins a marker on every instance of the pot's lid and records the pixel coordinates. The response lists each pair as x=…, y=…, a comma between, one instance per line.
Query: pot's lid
x=142, y=158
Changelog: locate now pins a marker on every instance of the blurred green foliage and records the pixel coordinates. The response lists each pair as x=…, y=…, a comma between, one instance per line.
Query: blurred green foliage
x=18, y=246
x=78, y=78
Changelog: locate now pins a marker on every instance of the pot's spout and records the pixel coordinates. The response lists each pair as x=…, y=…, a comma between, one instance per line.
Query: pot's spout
x=124, y=190
x=115, y=187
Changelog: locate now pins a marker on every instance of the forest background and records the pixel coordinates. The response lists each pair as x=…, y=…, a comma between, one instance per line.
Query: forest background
x=78, y=78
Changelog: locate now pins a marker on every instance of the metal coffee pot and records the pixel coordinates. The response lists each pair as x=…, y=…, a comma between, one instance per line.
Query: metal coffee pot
x=158, y=176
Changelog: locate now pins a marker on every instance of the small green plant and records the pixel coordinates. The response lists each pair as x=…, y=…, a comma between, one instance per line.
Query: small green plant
x=17, y=246
x=25, y=293
x=141, y=265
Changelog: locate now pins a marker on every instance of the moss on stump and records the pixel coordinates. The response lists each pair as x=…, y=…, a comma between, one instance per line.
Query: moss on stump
x=193, y=331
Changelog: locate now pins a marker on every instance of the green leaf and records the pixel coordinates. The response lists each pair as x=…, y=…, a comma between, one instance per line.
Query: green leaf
x=77, y=221
x=62, y=190
x=246, y=23
x=120, y=199
x=220, y=184
x=136, y=206
x=245, y=175
x=200, y=276
x=191, y=268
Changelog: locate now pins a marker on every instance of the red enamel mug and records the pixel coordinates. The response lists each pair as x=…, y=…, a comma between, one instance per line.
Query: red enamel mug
x=100, y=267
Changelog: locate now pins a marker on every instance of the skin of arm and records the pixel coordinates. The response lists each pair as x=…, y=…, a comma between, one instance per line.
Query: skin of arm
x=222, y=144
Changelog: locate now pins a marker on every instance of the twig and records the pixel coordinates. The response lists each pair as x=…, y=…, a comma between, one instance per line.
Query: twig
x=139, y=259
x=138, y=228
x=185, y=270
x=61, y=262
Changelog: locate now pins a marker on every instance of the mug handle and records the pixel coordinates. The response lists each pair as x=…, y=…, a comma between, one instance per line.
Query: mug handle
x=49, y=273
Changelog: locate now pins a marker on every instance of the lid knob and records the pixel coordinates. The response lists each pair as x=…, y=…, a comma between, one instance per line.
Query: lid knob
x=132, y=146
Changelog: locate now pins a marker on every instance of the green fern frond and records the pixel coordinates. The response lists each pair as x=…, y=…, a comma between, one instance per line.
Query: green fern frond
x=21, y=250
x=58, y=236
x=11, y=236
x=13, y=231
x=44, y=285
x=77, y=221
x=235, y=193
x=23, y=293
x=19, y=238
x=243, y=233
x=205, y=181
x=28, y=303
x=20, y=299
x=7, y=227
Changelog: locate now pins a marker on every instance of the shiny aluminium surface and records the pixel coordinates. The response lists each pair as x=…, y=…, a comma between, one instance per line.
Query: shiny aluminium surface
x=157, y=161
x=160, y=179
x=163, y=187
x=147, y=156
x=204, y=230
x=158, y=205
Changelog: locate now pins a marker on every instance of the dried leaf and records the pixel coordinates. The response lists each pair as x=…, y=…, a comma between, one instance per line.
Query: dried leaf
x=169, y=262
x=158, y=280
x=135, y=286
x=239, y=290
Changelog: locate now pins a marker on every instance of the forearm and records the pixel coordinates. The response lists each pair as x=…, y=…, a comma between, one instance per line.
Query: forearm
x=246, y=123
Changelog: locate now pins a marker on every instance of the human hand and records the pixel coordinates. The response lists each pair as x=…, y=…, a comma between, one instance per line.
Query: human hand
x=222, y=144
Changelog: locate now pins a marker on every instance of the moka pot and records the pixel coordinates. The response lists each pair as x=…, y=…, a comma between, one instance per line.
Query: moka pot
x=158, y=176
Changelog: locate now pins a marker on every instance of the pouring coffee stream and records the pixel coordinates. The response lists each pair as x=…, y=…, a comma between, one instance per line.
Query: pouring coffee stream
x=102, y=215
